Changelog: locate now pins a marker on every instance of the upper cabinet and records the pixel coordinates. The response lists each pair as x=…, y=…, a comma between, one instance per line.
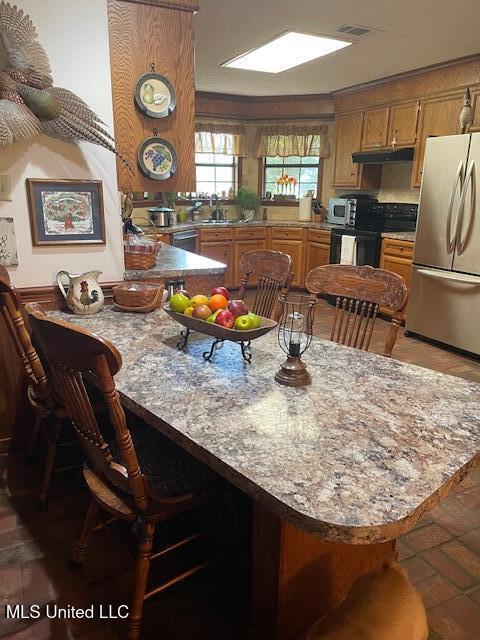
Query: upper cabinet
x=375, y=126
x=348, y=139
x=438, y=117
x=142, y=36
x=402, y=124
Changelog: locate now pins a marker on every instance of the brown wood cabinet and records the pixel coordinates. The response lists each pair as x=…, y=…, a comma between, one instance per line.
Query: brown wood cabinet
x=222, y=251
x=348, y=139
x=402, y=124
x=438, y=117
x=241, y=247
x=318, y=249
x=294, y=248
x=375, y=125
x=397, y=256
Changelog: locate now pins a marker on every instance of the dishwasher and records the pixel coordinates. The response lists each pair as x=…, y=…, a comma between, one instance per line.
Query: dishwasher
x=186, y=240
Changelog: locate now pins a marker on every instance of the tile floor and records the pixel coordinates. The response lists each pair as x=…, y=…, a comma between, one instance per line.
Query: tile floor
x=442, y=554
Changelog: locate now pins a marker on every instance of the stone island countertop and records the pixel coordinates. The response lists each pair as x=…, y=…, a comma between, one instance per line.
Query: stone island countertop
x=174, y=262
x=358, y=456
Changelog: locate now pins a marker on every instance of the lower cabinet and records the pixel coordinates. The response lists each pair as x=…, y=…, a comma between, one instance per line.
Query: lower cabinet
x=318, y=249
x=397, y=256
x=222, y=252
x=294, y=248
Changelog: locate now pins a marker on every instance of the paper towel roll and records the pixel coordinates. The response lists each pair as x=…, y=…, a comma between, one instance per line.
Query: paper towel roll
x=305, y=208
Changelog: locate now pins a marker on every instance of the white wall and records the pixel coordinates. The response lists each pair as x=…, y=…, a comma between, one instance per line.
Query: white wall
x=75, y=37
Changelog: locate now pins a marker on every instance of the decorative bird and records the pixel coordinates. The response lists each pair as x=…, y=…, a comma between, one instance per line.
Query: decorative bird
x=466, y=114
x=29, y=103
x=85, y=298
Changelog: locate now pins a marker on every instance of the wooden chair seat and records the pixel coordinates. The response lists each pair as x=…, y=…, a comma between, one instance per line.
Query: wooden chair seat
x=171, y=471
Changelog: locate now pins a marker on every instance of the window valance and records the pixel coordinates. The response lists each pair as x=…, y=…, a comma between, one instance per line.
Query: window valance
x=227, y=139
x=283, y=141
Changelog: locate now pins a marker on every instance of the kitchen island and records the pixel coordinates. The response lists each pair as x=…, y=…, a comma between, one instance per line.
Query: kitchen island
x=188, y=270
x=337, y=470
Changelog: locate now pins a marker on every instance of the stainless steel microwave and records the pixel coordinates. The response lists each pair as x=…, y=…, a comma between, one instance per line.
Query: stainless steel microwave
x=344, y=209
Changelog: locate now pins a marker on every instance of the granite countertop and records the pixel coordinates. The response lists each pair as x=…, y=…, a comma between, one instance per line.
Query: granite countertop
x=358, y=456
x=400, y=235
x=173, y=262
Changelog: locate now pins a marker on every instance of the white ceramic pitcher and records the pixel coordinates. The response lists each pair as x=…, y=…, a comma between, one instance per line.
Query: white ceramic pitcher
x=84, y=294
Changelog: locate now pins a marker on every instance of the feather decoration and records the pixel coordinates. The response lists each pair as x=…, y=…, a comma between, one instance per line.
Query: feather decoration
x=29, y=103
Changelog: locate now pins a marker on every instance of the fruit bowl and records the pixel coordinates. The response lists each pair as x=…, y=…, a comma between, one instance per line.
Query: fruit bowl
x=219, y=333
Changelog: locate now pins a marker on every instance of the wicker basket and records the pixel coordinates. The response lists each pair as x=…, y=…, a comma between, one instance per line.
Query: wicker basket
x=137, y=294
x=140, y=261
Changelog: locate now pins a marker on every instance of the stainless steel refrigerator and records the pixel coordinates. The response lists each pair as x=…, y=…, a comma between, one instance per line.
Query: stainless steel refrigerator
x=445, y=284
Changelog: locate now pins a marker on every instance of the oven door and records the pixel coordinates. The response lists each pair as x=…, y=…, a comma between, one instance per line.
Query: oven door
x=339, y=211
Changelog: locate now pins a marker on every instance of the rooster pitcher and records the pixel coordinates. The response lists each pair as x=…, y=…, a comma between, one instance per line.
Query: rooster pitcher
x=84, y=294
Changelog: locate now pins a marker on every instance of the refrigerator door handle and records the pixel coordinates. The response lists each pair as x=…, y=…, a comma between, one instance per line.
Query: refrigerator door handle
x=451, y=276
x=458, y=179
x=469, y=180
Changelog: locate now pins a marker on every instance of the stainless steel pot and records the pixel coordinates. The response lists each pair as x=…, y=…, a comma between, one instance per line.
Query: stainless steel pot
x=161, y=216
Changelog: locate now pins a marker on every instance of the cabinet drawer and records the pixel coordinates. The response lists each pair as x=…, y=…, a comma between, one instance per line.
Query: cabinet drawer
x=287, y=233
x=399, y=248
x=246, y=233
x=319, y=235
x=212, y=235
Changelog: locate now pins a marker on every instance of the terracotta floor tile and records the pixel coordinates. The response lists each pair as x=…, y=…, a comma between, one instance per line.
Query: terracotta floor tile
x=468, y=560
x=403, y=550
x=426, y=537
x=457, y=619
x=449, y=568
x=455, y=517
x=472, y=540
x=435, y=590
x=10, y=586
x=418, y=569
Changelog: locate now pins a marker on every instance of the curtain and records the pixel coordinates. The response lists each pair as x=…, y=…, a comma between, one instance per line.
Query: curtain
x=281, y=140
x=228, y=139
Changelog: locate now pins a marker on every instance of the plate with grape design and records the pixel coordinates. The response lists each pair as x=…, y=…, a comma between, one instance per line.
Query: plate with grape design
x=155, y=95
x=157, y=159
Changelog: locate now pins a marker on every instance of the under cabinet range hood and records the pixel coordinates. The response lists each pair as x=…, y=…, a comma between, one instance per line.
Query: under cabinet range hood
x=383, y=156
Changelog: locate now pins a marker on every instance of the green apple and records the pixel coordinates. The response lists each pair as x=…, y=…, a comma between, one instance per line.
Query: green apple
x=179, y=302
x=213, y=316
x=244, y=323
x=256, y=319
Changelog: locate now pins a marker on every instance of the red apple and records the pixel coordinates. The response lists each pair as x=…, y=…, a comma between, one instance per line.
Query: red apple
x=237, y=307
x=202, y=312
x=183, y=292
x=222, y=291
x=225, y=319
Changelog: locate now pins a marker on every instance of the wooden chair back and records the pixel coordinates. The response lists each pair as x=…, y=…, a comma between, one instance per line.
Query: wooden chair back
x=73, y=352
x=360, y=292
x=274, y=272
x=11, y=310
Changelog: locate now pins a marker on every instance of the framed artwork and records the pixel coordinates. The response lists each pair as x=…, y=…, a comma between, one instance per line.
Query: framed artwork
x=155, y=95
x=8, y=243
x=157, y=158
x=66, y=212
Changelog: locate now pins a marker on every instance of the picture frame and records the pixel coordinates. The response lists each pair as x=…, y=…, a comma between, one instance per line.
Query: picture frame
x=65, y=212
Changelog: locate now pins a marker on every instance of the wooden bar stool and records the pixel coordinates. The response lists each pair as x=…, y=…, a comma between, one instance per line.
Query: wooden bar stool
x=273, y=273
x=46, y=404
x=359, y=293
x=138, y=475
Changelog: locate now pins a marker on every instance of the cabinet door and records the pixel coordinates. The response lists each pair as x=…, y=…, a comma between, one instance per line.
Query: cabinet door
x=399, y=265
x=402, y=126
x=294, y=248
x=241, y=247
x=222, y=252
x=318, y=254
x=348, y=138
x=438, y=117
x=375, y=124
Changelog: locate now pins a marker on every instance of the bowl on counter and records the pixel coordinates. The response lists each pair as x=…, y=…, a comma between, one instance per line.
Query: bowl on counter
x=138, y=296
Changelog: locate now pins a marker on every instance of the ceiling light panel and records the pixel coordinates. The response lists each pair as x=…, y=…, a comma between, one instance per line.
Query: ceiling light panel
x=285, y=52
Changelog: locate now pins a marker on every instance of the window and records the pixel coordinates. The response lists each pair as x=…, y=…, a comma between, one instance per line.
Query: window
x=303, y=169
x=216, y=173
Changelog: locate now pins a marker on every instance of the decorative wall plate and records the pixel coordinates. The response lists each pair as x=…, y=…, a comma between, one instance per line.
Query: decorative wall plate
x=157, y=159
x=155, y=95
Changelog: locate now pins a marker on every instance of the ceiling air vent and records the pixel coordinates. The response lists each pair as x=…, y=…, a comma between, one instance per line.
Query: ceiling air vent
x=354, y=30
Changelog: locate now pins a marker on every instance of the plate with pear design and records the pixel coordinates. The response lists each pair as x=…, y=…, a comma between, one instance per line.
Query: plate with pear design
x=155, y=95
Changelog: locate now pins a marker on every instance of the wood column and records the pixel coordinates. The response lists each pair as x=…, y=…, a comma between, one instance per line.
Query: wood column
x=298, y=576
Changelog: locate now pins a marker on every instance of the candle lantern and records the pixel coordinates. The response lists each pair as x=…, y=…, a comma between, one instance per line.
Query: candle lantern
x=294, y=337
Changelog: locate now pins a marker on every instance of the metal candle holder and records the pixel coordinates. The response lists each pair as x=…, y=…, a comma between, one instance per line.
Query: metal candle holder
x=294, y=337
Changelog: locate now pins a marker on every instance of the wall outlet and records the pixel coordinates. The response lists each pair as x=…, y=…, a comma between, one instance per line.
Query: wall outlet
x=5, y=188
